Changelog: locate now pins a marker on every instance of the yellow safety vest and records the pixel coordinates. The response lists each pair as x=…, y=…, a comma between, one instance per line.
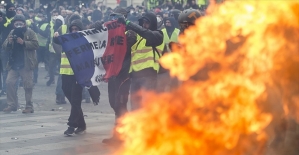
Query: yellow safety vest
x=152, y=4
x=173, y=38
x=65, y=67
x=202, y=2
x=8, y=21
x=143, y=56
x=42, y=41
x=51, y=49
x=28, y=23
x=51, y=29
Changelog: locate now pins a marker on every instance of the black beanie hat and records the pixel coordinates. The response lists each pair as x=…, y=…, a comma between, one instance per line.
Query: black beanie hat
x=120, y=10
x=9, y=5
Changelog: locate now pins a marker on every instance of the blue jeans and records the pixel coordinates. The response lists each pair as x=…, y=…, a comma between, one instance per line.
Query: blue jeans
x=4, y=60
x=142, y=83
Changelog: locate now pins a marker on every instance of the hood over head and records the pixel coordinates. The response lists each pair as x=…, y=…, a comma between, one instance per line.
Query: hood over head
x=96, y=15
x=78, y=23
x=172, y=21
x=151, y=17
x=72, y=18
x=9, y=5
x=10, y=14
x=60, y=18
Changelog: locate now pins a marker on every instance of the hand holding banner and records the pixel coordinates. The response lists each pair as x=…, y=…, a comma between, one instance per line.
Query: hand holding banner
x=95, y=55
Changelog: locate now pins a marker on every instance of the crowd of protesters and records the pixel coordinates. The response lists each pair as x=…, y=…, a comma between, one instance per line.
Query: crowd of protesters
x=29, y=37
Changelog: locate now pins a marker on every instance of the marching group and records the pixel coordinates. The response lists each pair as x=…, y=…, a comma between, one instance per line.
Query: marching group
x=29, y=37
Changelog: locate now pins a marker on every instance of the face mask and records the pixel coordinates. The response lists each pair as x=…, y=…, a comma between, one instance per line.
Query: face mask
x=54, y=18
x=10, y=14
x=58, y=22
x=19, y=31
x=132, y=11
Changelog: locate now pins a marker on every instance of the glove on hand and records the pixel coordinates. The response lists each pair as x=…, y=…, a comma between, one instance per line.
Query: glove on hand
x=121, y=20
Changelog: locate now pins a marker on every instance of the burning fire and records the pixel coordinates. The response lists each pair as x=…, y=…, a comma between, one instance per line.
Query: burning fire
x=240, y=71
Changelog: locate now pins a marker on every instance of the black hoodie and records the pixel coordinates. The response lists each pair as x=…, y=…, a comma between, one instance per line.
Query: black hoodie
x=77, y=23
x=68, y=22
x=151, y=18
x=171, y=28
x=152, y=36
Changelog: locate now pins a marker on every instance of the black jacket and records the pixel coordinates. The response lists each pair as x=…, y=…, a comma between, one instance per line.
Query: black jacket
x=131, y=40
x=152, y=36
x=76, y=22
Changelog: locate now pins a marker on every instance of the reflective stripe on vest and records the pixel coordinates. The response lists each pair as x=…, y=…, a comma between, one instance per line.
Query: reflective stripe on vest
x=8, y=21
x=65, y=67
x=173, y=38
x=42, y=41
x=51, y=49
x=143, y=56
x=51, y=29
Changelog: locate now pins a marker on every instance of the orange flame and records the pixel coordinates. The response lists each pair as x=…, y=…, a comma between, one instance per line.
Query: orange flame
x=240, y=69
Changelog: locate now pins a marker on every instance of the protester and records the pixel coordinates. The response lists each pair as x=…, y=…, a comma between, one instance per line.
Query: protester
x=72, y=90
x=43, y=36
x=60, y=97
x=144, y=65
x=119, y=86
x=5, y=27
x=170, y=34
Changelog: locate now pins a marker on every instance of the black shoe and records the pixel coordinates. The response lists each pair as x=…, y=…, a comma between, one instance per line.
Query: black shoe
x=69, y=131
x=50, y=81
x=112, y=141
x=80, y=130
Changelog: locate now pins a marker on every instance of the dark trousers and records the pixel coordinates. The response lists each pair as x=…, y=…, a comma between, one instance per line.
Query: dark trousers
x=73, y=93
x=118, y=92
x=59, y=91
x=4, y=61
x=138, y=84
x=42, y=56
x=53, y=59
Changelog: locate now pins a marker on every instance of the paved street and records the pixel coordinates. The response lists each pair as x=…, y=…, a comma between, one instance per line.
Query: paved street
x=42, y=132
